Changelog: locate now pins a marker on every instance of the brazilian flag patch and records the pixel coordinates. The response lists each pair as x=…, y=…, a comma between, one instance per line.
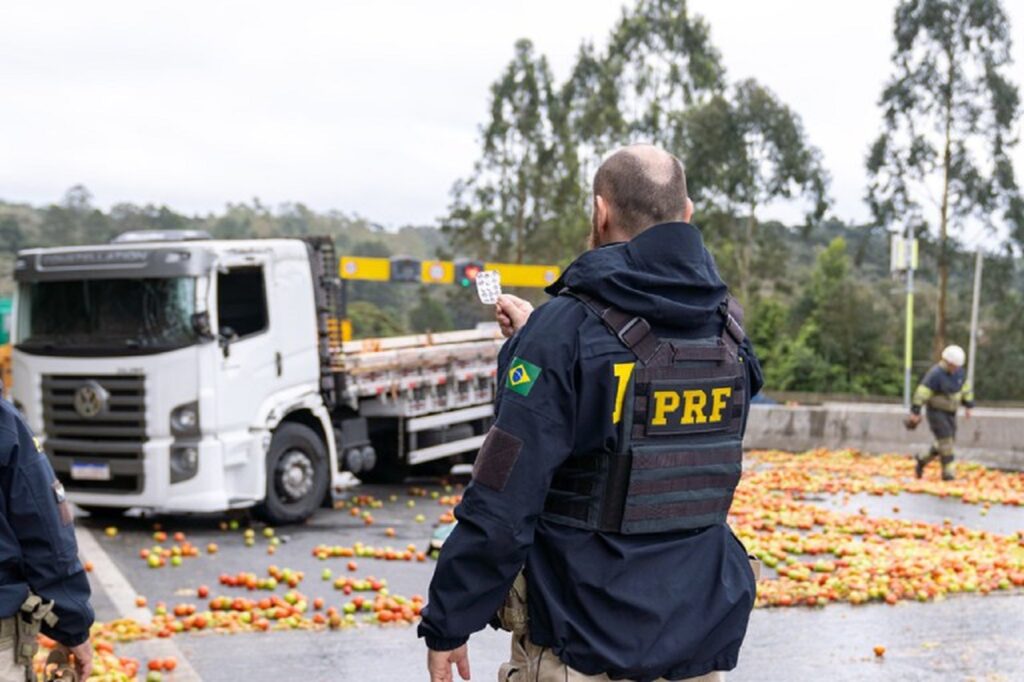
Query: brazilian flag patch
x=522, y=375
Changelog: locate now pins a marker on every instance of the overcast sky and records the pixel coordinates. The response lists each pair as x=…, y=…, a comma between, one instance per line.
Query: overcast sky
x=369, y=107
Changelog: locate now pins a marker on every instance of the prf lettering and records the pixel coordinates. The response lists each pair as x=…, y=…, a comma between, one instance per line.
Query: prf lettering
x=696, y=406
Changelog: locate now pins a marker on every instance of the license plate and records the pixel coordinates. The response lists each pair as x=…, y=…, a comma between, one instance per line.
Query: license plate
x=90, y=471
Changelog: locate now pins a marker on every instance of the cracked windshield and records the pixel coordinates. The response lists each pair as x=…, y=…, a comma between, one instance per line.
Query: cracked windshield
x=108, y=315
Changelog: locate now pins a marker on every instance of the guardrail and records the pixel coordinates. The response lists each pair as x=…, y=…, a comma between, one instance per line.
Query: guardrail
x=993, y=437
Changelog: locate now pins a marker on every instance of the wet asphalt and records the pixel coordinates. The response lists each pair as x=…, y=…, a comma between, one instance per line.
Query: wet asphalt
x=966, y=637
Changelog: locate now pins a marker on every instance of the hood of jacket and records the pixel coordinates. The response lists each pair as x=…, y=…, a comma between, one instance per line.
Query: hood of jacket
x=664, y=274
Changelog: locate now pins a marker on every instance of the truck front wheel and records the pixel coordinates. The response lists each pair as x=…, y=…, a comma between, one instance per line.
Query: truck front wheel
x=297, y=475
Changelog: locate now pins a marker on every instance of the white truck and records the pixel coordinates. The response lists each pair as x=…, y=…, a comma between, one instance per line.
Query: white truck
x=198, y=375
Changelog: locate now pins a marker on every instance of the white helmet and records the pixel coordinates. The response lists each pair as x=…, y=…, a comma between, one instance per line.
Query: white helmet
x=954, y=355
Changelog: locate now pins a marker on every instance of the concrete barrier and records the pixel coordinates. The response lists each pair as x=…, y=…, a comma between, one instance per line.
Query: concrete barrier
x=993, y=437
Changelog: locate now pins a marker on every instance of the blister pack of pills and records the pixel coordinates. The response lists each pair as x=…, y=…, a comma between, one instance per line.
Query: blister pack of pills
x=488, y=286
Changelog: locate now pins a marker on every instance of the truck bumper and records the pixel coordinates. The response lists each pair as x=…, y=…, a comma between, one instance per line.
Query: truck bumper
x=209, y=490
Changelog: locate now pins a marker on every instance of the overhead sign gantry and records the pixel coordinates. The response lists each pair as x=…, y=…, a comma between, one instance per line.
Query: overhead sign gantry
x=461, y=272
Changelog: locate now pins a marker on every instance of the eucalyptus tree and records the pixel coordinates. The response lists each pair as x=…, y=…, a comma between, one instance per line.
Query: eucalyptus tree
x=747, y=149
x=949, y=109
x=658, y=63
x=523, y=186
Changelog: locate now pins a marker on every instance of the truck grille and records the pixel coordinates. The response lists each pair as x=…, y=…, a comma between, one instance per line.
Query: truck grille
x=114, y=436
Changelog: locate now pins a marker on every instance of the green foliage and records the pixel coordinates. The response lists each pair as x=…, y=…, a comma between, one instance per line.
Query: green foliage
x=767, y=327
x=369, y=321
x=429, y=315
x=465, y=309
x=744, y=151
x=11, y=236
x=841, y=346
x=74, y=220
x=1000, y=372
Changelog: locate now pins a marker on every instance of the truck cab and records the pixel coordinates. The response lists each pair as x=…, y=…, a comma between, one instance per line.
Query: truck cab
x=157, y=374
x=178, y=373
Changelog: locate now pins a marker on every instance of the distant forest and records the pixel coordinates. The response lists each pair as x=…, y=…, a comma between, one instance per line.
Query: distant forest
x=826, y=316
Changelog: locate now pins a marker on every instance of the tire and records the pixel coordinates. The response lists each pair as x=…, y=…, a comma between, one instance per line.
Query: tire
x=97, y=512
x=297, y=475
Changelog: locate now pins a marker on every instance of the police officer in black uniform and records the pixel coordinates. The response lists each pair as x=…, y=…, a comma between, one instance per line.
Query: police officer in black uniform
x=43, y=586
x=600, y=494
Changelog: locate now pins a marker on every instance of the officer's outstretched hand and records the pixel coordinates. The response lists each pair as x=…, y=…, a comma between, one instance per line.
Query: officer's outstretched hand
x=512, y=313
x=439, y=663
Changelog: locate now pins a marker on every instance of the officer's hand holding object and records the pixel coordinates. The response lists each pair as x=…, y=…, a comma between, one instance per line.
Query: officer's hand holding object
x=512, y=313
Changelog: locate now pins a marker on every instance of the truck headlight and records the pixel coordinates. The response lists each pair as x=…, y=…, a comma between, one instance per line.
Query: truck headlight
x=184, y=462
x=185, y=420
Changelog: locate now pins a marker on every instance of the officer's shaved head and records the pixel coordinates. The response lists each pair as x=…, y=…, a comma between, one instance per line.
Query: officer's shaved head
x=643, y=186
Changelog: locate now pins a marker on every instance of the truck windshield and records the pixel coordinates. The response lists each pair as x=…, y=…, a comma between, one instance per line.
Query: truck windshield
x=106, y=316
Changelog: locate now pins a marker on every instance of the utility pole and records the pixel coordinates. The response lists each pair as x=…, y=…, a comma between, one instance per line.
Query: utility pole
x=975, y=305
x=903, y=259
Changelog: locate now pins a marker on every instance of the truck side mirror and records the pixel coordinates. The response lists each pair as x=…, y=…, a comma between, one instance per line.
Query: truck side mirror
x=201, y=326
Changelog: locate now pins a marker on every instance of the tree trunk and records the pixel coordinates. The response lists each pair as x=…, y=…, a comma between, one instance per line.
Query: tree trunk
x=940, y=321
x=745, y=249
x=520, y=223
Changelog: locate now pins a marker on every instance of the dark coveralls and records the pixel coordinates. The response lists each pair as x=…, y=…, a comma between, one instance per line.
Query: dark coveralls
x=673, y=605
x=38, y=551
x=942, y=391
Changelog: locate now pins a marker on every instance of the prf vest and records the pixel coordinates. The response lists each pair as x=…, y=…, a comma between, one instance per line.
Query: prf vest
x=680, y=451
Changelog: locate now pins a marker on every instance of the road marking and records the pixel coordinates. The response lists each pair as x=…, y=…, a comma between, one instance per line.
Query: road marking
x=121, y=593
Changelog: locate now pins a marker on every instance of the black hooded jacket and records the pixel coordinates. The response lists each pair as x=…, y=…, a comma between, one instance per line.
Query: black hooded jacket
x=673, y=605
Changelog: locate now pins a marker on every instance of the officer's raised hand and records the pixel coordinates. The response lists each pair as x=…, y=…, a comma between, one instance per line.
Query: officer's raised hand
x=512, y=313
x=439, y=663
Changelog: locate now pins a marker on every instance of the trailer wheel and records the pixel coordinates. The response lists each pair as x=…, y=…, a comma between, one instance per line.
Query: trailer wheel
x=297, y=476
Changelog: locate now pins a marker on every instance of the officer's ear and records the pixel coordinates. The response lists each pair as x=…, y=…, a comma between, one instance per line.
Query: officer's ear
x=601, y=216
x=688, y=211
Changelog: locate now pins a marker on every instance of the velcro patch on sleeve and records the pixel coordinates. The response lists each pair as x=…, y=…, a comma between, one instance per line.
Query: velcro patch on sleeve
x=497, y=456
x=63, y=506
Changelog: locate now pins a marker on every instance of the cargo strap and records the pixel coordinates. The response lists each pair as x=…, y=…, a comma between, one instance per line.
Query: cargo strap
x=30, y=618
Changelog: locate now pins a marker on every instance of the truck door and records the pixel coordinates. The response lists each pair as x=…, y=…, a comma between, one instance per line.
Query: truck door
x=248, y=367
